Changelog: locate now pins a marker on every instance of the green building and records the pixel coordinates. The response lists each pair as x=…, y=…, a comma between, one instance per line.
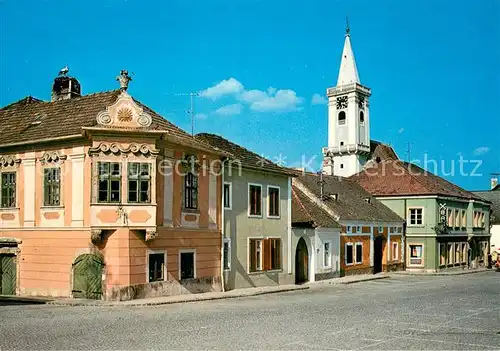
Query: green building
x=446, y=226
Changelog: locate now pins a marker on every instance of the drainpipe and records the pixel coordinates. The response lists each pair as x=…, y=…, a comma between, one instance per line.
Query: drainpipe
x=222, y=229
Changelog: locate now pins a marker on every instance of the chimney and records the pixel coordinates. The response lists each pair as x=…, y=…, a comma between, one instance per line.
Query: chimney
x=494, y=181
x=65, y=87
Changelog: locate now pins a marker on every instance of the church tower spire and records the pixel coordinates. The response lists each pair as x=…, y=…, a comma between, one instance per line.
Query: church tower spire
x=348, y=72
x=348, y=147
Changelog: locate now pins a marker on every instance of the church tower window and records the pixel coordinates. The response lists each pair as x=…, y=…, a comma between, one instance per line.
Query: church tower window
x=341, y=117
x=361, y=117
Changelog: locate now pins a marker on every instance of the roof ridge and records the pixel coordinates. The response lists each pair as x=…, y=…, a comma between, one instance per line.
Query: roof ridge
x=26, y=99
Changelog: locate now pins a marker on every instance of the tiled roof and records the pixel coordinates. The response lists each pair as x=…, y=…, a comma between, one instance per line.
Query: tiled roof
x=30, y=119
x=398, y=178
x=351, y=202
x=492, y=196
x=247, y=158
x=381, y=151
x=306, y=213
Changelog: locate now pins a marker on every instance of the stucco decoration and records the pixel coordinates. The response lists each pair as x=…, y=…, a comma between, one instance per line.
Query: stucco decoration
x=52, y=157
x=9, y=161
x=96, y=236
x=151, y=234
x=124, y=113
x=116, y=148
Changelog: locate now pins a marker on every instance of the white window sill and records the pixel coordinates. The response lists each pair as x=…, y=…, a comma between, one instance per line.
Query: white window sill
x=274, y=217
x=254, y=216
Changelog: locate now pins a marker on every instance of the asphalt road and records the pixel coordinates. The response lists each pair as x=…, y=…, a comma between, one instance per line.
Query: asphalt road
x=403, y=313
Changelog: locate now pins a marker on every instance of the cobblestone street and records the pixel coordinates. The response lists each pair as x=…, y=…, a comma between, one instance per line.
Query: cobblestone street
x=455, y=312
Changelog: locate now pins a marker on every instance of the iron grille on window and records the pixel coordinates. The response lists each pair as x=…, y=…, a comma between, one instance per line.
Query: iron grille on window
x=190, y=191
x=8, y=189
x=52, y=187
x=109, y=182
x=139, y=182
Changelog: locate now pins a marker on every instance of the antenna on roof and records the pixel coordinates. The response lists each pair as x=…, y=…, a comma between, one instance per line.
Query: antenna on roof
x=408, y=151
x=191, y=110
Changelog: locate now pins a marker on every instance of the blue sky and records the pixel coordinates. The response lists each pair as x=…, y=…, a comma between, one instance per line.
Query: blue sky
x=432, y=67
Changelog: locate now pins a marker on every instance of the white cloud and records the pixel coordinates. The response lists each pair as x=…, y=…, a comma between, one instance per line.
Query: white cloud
x=229, y=110
x=318, y=99
x=201, y=116
x=250, y=96
x=481, y=150
x=401, y=130
x=226, y=87
x=283, y=100
x=269, y=100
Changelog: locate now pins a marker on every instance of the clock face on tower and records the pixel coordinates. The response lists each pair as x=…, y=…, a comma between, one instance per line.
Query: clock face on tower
x=341, y=102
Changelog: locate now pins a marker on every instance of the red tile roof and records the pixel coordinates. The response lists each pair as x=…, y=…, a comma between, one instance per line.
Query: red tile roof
x=398, y=178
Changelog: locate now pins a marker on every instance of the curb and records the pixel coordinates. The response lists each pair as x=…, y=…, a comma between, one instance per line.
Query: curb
x=441, y=274
x=339, y=281
x=364, y=280
x=25, y=299
x=170, y=302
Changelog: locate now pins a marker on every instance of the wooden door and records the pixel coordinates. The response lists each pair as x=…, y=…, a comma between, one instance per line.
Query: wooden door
x=8, y=275
x=87, y=277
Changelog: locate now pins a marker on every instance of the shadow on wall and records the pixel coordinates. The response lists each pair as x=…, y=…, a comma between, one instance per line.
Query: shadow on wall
x=166, y=288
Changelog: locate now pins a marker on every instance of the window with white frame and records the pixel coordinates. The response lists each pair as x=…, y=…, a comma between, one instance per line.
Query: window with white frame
x=8, y=189
x=228, y=196
x=52, y=186
x=255, y=200
x=187, y=264
x=395, y=251
x=416, y=216
x=273, y=204
x=139, y=182
x=416, y=254
x=255, y=255
x=110, y=179
x=359, y=253
x=349, y=254
x=156, y=269
x=327, y=254
x=227, y=253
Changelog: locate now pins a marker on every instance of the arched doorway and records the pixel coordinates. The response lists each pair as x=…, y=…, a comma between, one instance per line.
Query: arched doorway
x=378, y=253
x=301, y=262
x=87, y=276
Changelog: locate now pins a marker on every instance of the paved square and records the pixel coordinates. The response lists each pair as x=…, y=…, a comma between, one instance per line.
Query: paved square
x=403, y=313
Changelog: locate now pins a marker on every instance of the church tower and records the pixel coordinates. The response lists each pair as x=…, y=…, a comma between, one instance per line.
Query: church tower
x=348, y=119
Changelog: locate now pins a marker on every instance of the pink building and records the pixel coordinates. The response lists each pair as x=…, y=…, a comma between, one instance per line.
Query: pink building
x=103, y=198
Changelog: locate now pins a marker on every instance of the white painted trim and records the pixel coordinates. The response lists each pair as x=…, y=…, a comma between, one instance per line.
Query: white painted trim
x=422, y=257
x=355, y=252
x=181, y=251
x=230, y=207
x=394, y=251
x=261, y=202
x=331, y=254
x=153, y=252
x=345, y=254
x=409, y=217
x=261, y=239
x=268, y=200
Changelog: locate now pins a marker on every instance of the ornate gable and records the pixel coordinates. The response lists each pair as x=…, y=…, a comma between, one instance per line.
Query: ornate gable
x=124, y=113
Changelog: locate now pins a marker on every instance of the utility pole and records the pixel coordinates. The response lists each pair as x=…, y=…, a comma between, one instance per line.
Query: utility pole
x=191, y=110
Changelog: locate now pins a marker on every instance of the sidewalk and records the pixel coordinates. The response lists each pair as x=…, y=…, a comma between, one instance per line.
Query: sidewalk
x=445, y=272
x=166, y=300
x=351, y=279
